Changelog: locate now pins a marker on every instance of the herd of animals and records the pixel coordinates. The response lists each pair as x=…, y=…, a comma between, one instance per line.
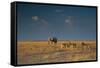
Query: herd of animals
x=54, y=40
x=54, y=49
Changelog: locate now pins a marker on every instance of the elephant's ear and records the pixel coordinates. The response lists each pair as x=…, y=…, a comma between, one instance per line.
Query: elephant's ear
x=51, y=38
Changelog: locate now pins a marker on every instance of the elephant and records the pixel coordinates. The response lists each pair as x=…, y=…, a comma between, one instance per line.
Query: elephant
x=52, y=40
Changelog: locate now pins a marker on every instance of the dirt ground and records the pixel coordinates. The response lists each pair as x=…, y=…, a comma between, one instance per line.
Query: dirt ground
x=34, y=52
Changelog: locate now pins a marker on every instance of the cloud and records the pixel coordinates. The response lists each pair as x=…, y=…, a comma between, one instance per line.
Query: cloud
x=69, y=19
x=35, y=18
x=70, y=23
x=39, y=19
x=44, y=21
x=59, y=10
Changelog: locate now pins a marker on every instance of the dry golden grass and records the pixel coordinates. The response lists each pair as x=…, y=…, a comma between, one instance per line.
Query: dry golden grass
x=33, y=52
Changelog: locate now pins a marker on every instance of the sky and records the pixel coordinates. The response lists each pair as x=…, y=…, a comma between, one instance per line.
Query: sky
x=38, y=22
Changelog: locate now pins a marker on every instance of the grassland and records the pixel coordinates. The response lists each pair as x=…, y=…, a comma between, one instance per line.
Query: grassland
x=33, y=52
